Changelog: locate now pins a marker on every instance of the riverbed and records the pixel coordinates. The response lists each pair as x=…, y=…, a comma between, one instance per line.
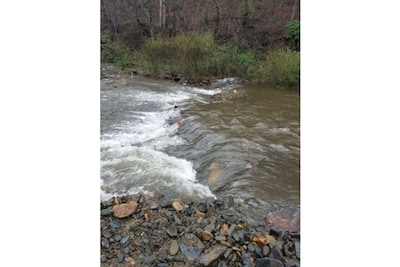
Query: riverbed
x=160, y=136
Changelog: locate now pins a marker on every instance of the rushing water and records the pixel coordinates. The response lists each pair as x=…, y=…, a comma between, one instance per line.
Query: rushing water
x=159, y=136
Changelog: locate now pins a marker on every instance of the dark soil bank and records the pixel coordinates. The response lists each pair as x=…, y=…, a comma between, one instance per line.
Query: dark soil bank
x=157, y=231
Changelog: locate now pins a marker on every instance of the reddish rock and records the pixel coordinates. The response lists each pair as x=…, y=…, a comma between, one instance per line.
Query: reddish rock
x=286, y=219
x=124, y=210
x=213, y=254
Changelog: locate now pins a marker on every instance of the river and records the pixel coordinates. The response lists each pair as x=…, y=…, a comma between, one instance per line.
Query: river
x=161, y=136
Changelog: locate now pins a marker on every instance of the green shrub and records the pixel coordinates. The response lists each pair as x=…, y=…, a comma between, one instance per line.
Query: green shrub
x=186, y=54
x=292, y=34
x=115, y=51
x=277, y=67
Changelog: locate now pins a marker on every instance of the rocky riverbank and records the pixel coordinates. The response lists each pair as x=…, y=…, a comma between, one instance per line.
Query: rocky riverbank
x=158, y=231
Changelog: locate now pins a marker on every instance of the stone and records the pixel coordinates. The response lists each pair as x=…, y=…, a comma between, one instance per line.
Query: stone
x=212, y=255
x=125, y=240
x=251, y=247
x=191, y=246
x=174, y=248
x=124, y=210
x=285, y=219
x=115, y=224
x=227, y=253
x=231, y=229
x=297, y=248
x=177, y=206
x=200, y=214
x=177, y=220
x=265, y=251
x=210, y=227
x=224, y=229
x=106, y=234
x=121, y=258
x=105, y=243
x=268, y=262
x=172, y=231
x=207, y=236
x=260, y=240
x=236, y=237
x=103, y=258
x=165, y=203
x=276, y=253
x=247, y=260
x=271, y=240
x=220, y=238
x=106, y=212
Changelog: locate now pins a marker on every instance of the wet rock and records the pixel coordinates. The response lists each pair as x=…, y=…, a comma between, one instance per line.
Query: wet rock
x=268, y=262
x=285, y=219
x=126, y=250
x=191, y=246
x=174, y=248
x=213, y=254
x=228, y=202
x=124, y=210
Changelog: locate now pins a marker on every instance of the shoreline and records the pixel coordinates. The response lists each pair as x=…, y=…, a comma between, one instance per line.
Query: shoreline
x=139, y=230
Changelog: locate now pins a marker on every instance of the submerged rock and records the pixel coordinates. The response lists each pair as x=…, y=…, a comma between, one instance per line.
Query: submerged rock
x=286, y=219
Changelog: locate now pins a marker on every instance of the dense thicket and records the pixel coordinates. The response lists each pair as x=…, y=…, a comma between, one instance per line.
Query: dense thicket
x=260, y=23
x=258, y=41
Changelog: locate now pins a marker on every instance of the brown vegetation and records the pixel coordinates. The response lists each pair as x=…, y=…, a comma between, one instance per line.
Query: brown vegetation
x=258, y=22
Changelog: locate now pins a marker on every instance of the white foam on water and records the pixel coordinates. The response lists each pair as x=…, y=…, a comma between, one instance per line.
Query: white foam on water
x=206, y=91
x=133, y=158
x=146, y=169
x=280, y=148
